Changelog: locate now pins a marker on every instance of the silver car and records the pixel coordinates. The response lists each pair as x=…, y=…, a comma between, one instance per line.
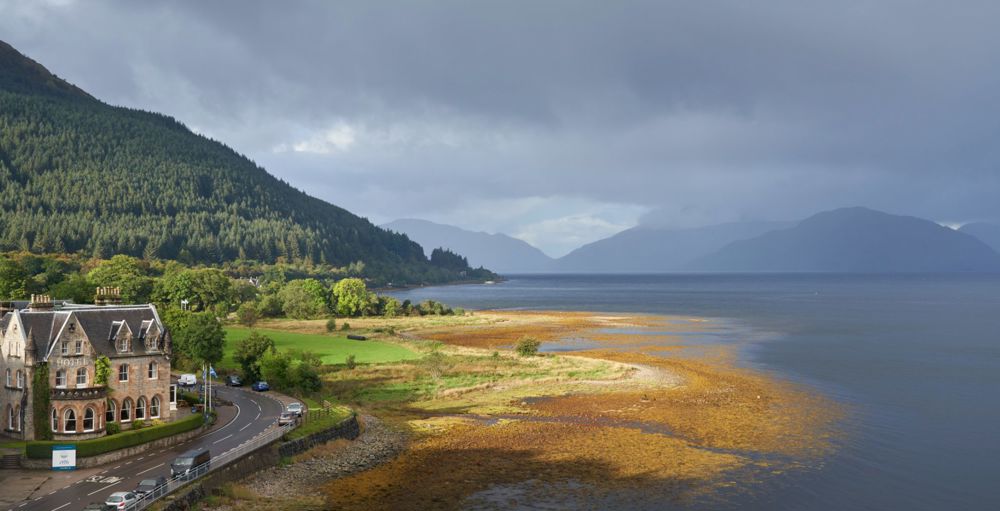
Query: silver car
x=121, y=500
x=295, y=408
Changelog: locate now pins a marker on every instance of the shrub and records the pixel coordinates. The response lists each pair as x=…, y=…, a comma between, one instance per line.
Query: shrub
x=350, y=363
x=527, y=346
x=87, y=448
x=112, y=428
x=331, y=325
x=345, y=326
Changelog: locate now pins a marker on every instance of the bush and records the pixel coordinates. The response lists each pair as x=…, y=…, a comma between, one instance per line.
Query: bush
x=87, y=448
x=331, y=325
x=527, y=346
x=345, y=326
x=350, y=363
x=191, y=398
x=112, y=428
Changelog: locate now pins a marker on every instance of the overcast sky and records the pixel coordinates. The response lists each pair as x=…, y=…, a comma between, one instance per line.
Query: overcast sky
x=564, y=122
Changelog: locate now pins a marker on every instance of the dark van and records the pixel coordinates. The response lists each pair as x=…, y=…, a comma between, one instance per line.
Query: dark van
x=191, y=464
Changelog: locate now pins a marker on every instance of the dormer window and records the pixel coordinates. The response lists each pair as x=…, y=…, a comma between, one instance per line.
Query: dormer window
x=124, y=345
x=120, y=339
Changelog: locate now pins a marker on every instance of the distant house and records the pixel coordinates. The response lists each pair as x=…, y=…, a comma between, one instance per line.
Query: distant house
x=67, y=339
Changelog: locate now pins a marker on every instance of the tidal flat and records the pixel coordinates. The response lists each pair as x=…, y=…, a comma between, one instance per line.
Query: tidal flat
x=618, y=416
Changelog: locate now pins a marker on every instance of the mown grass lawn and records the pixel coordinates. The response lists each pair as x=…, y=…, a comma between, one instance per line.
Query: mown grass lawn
x=331, y=348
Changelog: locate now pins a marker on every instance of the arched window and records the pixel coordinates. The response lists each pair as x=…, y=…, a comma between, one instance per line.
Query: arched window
x=61, y=378
x=154, y=407
x=81, y=377
x=126, y=414
x=88, y=419
x=8, y=383
x=109, y=415
x=55, y=420
x=123, y=372
x=69, y=421
x=151, y=372
x=20, y=379
x=17, y=418
x=10, y=417
x=140, y=409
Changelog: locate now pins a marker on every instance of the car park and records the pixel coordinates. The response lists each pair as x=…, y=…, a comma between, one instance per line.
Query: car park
x=233, y=381
x=154, y=487
x=297, y=408
x=287, y=418
x=260, y=386
x=121, y=500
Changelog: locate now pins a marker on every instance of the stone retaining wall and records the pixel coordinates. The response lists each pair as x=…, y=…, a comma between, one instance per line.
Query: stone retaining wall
x=267, y=456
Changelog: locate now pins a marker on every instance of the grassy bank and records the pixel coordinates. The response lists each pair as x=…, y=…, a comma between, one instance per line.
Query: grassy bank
x=332, y=348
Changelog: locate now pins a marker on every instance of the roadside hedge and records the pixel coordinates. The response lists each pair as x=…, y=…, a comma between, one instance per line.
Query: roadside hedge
x=85, y=448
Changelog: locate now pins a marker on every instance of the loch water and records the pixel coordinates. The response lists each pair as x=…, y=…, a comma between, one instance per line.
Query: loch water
x=914, y=360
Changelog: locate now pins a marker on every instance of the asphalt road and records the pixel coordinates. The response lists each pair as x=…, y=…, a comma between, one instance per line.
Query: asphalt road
x=254, y=413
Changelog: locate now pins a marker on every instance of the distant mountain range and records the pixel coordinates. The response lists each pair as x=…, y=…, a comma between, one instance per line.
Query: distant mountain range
x=986, y=232
x=498, y=252
x=649, y=250
x=857, y=240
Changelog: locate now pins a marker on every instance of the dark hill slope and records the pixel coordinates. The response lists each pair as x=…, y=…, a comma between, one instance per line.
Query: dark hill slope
x=856, y=240
x=77, y=175
x=986, y=232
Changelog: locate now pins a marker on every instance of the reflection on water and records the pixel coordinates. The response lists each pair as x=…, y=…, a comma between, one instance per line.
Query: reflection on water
x=916, y=358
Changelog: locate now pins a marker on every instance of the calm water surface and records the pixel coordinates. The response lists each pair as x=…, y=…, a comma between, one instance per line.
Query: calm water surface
x=915, y=359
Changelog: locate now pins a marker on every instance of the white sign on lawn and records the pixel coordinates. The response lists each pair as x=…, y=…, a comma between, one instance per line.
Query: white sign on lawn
x=63, y=457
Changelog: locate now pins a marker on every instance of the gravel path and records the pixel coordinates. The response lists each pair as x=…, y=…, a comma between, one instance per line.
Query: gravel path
x=377, y=444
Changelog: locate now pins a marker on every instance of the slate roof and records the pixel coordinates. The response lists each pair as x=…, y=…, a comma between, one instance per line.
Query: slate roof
x=97, y=323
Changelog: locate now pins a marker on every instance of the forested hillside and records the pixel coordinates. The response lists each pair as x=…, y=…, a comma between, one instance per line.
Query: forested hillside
x=80, y=176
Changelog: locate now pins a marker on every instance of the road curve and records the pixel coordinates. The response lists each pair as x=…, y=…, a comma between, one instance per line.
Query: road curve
x=255, y=413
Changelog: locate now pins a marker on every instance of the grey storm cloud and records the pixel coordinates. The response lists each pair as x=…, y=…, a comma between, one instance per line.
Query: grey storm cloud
x=518, y=116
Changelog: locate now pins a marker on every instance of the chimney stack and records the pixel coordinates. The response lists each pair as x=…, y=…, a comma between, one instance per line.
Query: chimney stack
x=108, y=296
x=40, y=302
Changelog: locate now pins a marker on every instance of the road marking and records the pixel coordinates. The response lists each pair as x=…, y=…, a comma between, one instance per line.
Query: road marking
x=247, y=426
x=257, y=417
x=60, y=507
x=221, y=439
x=98, y=490
x=230, y=423
x=151, y=468
x=116, y=468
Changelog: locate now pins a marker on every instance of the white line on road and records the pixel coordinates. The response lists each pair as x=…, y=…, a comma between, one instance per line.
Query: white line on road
x=223, y=438
x=257, y=417
x=151, y=468
x=100, y=489
x=247, y=426
x=60, y=507
x=228, y=423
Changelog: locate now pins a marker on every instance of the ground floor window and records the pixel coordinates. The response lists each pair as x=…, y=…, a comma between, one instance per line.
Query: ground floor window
x=154, y=407
x=109, y=415
x=126, y=413
x=140, y=408
x=69, y=421
x=17, y=418
x=88, y=419
x=55, y=420
x=10, y=417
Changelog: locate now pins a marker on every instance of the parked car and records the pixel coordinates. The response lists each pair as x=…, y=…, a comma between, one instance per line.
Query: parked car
x=191, y=464
x=234, y=381
x=287, y=418
x=187, y=380
x=295, y=408
x=260, y=386
x=121, y=500
x=153, y=487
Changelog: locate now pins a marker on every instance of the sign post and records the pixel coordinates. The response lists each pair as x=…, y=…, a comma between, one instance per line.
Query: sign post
x=63, y=457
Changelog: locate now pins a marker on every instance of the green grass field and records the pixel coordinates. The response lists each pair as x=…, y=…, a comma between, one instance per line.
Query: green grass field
x=332, y=348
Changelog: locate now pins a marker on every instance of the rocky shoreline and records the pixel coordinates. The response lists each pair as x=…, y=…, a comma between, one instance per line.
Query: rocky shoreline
x=377, y=444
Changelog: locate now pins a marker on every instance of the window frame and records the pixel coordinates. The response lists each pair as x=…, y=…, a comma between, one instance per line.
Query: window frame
x=86, y=377
x=154, y=407
x=66, y=420
x=55, y=420
x=78, y=347
x=126, y=410
x=140, y=408
x=152, y=371
x=20, y=378
x=93, y=419
x=121, y=368
x=110, y=408
x=61, y=372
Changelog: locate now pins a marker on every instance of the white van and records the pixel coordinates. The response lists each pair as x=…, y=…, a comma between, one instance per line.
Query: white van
x=187, y=380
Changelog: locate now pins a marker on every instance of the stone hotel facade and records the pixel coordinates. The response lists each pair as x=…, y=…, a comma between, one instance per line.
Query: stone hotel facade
x=68, y=339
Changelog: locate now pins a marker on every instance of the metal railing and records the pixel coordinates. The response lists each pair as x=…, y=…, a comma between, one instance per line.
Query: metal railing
x=195, y=473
